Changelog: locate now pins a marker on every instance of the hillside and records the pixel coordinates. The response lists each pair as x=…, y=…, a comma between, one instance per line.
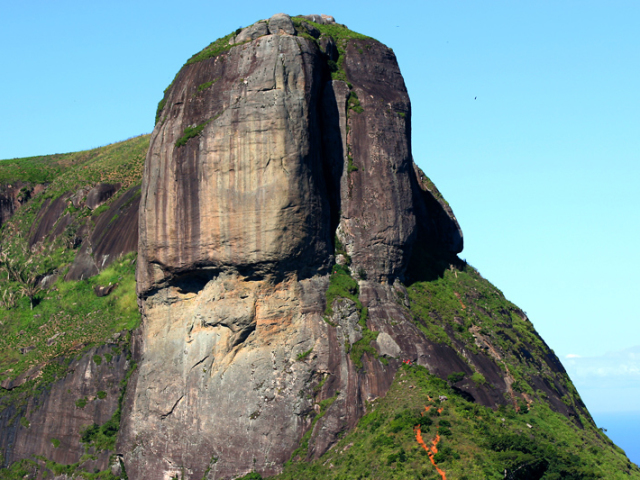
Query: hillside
x=62, y=212
x=267, y=286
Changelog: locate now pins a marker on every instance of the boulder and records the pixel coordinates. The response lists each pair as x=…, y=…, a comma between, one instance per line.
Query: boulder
x=280, y=24
x=100, y=194
x=256, y=30
x=321, y=19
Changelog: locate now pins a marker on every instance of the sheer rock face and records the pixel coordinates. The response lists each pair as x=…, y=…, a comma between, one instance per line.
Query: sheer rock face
x=236, y=238
x=249, y=191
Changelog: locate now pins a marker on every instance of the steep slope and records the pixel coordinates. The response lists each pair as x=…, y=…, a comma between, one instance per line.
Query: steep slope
x=304, y=313
x=64, y=351
x=292, y=257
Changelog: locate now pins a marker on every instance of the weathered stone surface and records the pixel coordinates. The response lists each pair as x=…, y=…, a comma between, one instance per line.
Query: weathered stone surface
x=236, y=229
x=248, y=193
x=256, y=30
x=437, y=225
x=280, y=24
x=387, y=345
x=321, y=19
x=52, y=413
x=100, y=194
x=311, y=30
x=79, y=198
x=47, y=217
x=83, y=266
x=115, y=234
x=116, y=230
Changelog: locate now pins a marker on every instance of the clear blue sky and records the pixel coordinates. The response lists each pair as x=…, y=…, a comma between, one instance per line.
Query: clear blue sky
x=542, y=170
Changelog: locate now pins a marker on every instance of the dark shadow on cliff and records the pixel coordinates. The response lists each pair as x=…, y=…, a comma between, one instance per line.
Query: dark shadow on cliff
x=439, y=238
x=429, y=263
x=332, y=152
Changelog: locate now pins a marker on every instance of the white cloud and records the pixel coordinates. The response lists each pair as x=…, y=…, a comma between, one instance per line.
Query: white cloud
x=622, y=366
x=607, y=383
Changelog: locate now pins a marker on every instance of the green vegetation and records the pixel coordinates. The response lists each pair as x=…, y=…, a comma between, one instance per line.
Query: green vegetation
x=353, y=103
x=478, y=378
x=302, y=356
x=119, y=162
x=301, y=452
x=190, y=132
x=251, y=476
x=44, y=328
x=202, y=87
x=450, y=301
x=474, y=441
x=340, y=34
x=432, y=188
x=351, y=167
x=342, y=285
x=30, y=468
x=103, y=437
x=72, y=308
x=213, y=49
x=339, y=249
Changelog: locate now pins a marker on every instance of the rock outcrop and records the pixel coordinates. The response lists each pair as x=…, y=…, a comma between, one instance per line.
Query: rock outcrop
x=87, y=394
x=238, y=227
x=14, y=195
x=277, y=153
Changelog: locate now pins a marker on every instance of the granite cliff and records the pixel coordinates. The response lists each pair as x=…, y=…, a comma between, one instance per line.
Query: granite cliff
x=280, y=152
x=299, y=310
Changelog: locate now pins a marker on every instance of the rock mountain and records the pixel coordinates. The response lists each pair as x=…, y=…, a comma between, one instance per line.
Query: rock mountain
x=299, y=286
x=239, y=226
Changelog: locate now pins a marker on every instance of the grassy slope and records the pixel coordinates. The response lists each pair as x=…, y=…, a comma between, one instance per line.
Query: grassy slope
x=69, y=307
x=475, y=442
x=453, y=306
x=449, y=299
x=70, y=310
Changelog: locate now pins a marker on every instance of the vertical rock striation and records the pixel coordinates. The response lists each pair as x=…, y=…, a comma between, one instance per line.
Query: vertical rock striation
x=277, y=152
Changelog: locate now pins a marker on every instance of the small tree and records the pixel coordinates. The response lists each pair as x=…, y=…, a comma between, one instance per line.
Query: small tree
x=30, y=287
x=22, y=273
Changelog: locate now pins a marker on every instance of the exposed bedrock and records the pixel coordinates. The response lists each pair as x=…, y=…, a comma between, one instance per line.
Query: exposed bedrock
x=88, y=393
x=258, y=163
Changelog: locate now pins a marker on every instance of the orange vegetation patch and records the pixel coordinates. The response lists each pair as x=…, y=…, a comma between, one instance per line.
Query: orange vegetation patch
x=431, y=450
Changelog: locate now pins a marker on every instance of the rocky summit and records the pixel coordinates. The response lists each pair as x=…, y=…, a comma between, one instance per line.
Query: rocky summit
x=240, y=225
x=303, y=312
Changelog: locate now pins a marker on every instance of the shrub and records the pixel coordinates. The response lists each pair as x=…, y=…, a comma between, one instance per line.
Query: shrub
x=478, y=378
x=303, y=355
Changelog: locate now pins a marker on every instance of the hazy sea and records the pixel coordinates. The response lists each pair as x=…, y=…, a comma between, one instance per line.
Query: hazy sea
x=624, y=430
